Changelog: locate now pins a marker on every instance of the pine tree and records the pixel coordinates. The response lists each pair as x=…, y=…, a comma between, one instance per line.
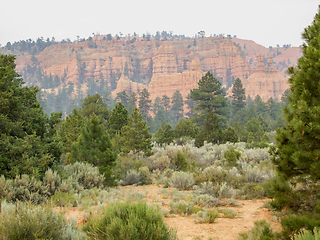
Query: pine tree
x=132, y=102
x=208, y=95
x=157, y=105
x=165, y=102
x=94, y=105
x=230, y=135
x=118, y=118
x=297, y=151
x=164, y=134
x=94, y=147
x=123, y=98
x=135, y=135
x=28, y=143
x=177, y=106
x=70, y=129
x=186, y=128
x=212, y=131
x=145, y=104
x=238, y=96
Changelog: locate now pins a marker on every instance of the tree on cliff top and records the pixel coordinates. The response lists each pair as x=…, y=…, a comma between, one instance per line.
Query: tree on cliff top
x=297, y=152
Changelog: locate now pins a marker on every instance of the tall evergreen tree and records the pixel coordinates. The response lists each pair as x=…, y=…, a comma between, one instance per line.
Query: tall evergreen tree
x=157, y=105
x=186, y=128
x=123, y=98
x=177, y=106
x=190, y=105
x=94, y=105
x=118, y=118
x=132, y=102
x=165, y=102
x=164, y=134
x=212, y=131
x=70, y=129
x=135, y=135
x=297, y=151
x=145, y=104
x=238, y=96
x=28, y=143
x=208, y=95
x=94, y=147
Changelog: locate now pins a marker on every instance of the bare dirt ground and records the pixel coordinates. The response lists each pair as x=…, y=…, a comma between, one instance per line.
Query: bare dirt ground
x=247, y=213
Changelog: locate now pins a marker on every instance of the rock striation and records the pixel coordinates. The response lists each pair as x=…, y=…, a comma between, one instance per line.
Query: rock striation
x=184, y=82
x=164, y=65
x=265, y=81
x=125, y=84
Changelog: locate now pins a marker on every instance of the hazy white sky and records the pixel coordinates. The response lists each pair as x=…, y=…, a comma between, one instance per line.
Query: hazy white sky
x=267, y=22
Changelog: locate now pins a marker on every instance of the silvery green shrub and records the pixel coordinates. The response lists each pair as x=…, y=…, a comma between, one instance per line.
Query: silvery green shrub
x=181, y=180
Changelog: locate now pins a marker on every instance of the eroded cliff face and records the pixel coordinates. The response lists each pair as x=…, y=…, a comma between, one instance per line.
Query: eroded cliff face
x=125, y=84
x=265, y=81
x=163, y=67
x=184, y=82
x=140, y=59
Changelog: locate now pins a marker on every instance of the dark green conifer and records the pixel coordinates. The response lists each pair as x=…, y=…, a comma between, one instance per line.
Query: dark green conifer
x=135, y=135
x=297, y=151
x=94, y=147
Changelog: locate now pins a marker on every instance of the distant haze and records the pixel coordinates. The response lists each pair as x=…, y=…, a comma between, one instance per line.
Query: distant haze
x=267, y=22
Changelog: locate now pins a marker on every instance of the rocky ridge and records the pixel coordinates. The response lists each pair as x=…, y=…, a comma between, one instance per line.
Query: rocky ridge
x=164, y=66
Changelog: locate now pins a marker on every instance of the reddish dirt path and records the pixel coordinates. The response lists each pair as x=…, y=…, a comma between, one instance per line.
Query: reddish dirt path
x=248, y=212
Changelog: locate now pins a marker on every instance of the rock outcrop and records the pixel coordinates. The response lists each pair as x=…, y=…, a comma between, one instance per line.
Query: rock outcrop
x=125, y=84
x=184, y=82
x=265, y=81
x=164, y=65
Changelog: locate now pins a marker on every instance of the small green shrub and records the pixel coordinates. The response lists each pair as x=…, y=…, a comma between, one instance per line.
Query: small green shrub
x=207, y=216
x=254, y=191
x=63, y=199
x=181, y=162
x=183, y=208
x=145, y=175
x=36, y=222
x=232, y=156
x=260, y=231
x=294, y=224
x=308, y=235
x=130, y=221
x=228, y=213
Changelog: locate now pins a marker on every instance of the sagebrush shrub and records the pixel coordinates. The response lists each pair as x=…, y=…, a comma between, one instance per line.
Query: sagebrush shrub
x=182, y=180
x=130, y=221
x=132, y=177
x=206, y=216
x=24, y=188
x=183, y=208
x=85, y=174
x=52, y=180
x=35, y=222
x=228, y=213
x=162, y=163
x=64, y=199
x=261, y=231
x=145, y=175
